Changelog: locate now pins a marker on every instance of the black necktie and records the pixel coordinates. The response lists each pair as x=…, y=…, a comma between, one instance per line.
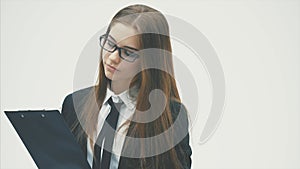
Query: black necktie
x=107, y=134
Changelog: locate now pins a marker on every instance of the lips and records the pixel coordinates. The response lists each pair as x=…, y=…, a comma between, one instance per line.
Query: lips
x=111, y=67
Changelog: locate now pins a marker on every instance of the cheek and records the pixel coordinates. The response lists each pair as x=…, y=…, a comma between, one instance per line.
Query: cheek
x=104, y=55
x=130, y=69
x=135, y=68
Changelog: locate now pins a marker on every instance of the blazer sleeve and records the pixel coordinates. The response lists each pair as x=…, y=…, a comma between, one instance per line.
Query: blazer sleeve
x=183, y=148
x=68, y=110
x=69, y=114
x=73, y=104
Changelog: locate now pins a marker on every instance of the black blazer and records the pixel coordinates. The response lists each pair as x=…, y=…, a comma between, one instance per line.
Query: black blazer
x=70, y=116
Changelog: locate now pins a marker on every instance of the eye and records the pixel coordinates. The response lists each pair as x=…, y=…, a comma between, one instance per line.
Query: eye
x=130, y=53
x=110, y=43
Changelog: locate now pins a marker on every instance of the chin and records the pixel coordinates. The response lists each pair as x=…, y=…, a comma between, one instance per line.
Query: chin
x=108, y=76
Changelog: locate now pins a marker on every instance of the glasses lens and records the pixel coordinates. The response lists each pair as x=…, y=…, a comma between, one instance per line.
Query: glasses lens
x=107, y=44
x=110, y=46
x=128, y=55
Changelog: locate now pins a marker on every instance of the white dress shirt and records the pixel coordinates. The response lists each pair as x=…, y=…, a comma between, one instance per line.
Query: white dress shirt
x=126, y=111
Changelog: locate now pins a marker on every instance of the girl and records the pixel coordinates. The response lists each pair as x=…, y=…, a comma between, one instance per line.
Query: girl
x=136, y=73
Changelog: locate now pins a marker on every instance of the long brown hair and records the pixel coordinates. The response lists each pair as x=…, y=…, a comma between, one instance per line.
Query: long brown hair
x=153, y=32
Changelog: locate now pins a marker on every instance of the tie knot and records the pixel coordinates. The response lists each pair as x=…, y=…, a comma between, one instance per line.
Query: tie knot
x=116, y=98
x=114, y=105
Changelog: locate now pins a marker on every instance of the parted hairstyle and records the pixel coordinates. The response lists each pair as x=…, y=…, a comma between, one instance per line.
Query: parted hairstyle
x=153, y=32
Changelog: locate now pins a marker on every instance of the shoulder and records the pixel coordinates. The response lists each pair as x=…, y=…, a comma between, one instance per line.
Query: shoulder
x=82, y=93
x=177, y=106
x=77, y=96
x=74, y=102
x=178, y=110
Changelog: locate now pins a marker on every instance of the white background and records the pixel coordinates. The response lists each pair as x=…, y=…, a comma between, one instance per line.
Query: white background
x=257, y=43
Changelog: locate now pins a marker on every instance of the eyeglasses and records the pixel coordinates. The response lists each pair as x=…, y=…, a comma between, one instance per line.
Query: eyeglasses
x=129, y=55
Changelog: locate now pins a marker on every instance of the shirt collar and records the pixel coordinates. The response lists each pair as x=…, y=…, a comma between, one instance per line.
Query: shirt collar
x=124, y=96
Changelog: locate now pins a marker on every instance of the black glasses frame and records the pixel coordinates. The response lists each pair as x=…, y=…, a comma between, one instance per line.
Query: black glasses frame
x=116, y=47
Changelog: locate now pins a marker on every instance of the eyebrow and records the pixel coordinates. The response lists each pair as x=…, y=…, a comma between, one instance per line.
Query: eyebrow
x=129, y=47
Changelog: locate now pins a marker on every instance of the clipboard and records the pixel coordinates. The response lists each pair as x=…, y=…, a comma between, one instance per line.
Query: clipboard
x=48, y=139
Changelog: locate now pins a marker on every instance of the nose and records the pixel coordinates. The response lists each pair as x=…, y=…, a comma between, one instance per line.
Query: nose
x=114, y=57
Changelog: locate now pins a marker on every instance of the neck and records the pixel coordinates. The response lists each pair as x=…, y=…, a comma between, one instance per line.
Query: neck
x=118, y=87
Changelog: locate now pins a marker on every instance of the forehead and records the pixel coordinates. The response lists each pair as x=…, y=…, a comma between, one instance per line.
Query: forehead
x=124, y=35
